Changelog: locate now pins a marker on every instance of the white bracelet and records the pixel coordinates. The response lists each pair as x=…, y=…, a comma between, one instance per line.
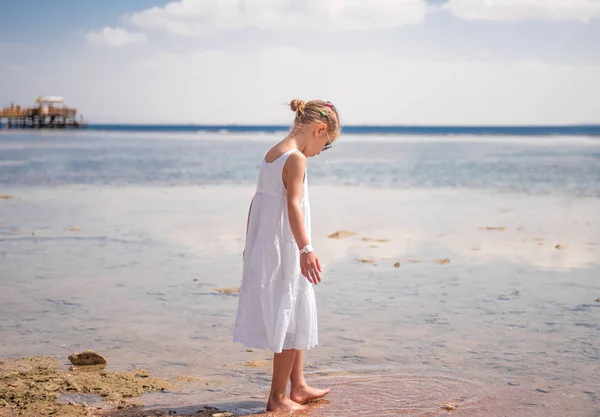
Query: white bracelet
x=307, y=249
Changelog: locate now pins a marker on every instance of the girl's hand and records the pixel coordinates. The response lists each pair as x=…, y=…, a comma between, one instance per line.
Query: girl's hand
x=311, y=267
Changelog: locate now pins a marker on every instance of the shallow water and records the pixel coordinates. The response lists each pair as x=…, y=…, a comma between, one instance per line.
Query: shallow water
x=509, y=327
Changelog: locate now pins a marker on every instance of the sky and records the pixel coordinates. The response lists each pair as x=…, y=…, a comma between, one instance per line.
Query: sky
x=391, y=62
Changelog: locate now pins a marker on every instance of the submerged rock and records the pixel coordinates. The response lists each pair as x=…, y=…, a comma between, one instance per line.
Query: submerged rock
x=497, y=228
x=369, y=239
x=228, y=291
x=365, y=261
x=448, y=406
x=340, y=234
x=89, y=357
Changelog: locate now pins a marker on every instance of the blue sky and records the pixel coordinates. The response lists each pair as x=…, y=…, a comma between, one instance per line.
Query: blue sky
x=238, y=61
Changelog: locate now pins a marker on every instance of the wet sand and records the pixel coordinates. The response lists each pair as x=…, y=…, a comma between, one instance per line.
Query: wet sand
x=480, y=300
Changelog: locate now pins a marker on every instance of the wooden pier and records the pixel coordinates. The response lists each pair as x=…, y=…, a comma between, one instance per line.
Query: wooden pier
x=50, y=113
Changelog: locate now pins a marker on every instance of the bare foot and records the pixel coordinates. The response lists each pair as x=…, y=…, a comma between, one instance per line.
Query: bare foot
x=277, y=403
x=305, y=393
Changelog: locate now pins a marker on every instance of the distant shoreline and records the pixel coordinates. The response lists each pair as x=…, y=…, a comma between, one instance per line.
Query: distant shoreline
x=590, y=130
x=523, y=130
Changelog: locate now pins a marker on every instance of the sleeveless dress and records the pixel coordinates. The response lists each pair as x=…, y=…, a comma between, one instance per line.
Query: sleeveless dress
x=277, y=308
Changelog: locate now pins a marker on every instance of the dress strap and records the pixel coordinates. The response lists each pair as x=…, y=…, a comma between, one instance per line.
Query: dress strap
x=286, y=155
x=281, y=158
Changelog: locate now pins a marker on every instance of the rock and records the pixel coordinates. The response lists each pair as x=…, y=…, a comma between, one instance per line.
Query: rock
x=228, y=291
x=598, y=300
x=89, y=357
x=543, y=391
x=448, y=406
x=365, y=261
x=6, y=197
x=74, y=229
x=442, y=261
x=340, y=234
x=497, y=228
x=369, y=239
x=257, y=363
x=560, y=246
x=397, y=265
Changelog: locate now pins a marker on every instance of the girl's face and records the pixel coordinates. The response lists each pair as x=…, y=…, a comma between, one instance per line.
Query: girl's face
x=321, y=140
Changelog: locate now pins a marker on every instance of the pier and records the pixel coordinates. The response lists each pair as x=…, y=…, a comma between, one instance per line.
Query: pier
x=50, y=113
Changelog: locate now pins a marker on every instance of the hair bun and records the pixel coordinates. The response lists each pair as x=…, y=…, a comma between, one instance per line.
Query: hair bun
x=297, y=105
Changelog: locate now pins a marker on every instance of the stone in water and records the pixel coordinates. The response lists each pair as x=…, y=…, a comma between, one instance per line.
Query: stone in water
x=89, y=357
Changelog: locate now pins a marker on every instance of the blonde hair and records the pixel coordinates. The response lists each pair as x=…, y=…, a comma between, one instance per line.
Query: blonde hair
x=316, y=111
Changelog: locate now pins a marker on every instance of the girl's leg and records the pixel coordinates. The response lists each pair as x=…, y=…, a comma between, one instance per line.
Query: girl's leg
x=282, y=368
x=301, y=392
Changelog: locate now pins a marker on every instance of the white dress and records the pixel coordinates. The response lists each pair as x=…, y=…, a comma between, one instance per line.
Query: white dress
x=277, y=307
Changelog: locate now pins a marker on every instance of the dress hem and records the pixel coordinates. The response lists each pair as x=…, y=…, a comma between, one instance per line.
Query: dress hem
x=256, y=346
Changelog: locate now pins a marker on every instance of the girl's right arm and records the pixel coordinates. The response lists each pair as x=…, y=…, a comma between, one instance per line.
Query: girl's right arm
x=293, y=179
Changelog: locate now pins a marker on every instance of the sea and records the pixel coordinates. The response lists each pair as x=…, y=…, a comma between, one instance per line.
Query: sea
x=531, y=160
x=467, y=270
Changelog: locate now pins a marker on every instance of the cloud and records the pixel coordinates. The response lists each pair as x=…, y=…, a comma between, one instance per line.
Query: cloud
x=202, y=17
x=114, y=37
x=521, y=10
x=381, y=88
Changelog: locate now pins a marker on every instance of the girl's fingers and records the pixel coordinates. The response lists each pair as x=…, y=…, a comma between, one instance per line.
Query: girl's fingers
x=319, y=265
x=313, y=276
x=307, y=273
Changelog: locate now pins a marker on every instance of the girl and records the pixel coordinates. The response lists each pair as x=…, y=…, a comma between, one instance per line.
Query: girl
x=277, y=308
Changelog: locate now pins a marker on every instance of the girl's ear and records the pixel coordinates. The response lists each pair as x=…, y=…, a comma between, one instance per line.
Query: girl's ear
x=319, y=127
